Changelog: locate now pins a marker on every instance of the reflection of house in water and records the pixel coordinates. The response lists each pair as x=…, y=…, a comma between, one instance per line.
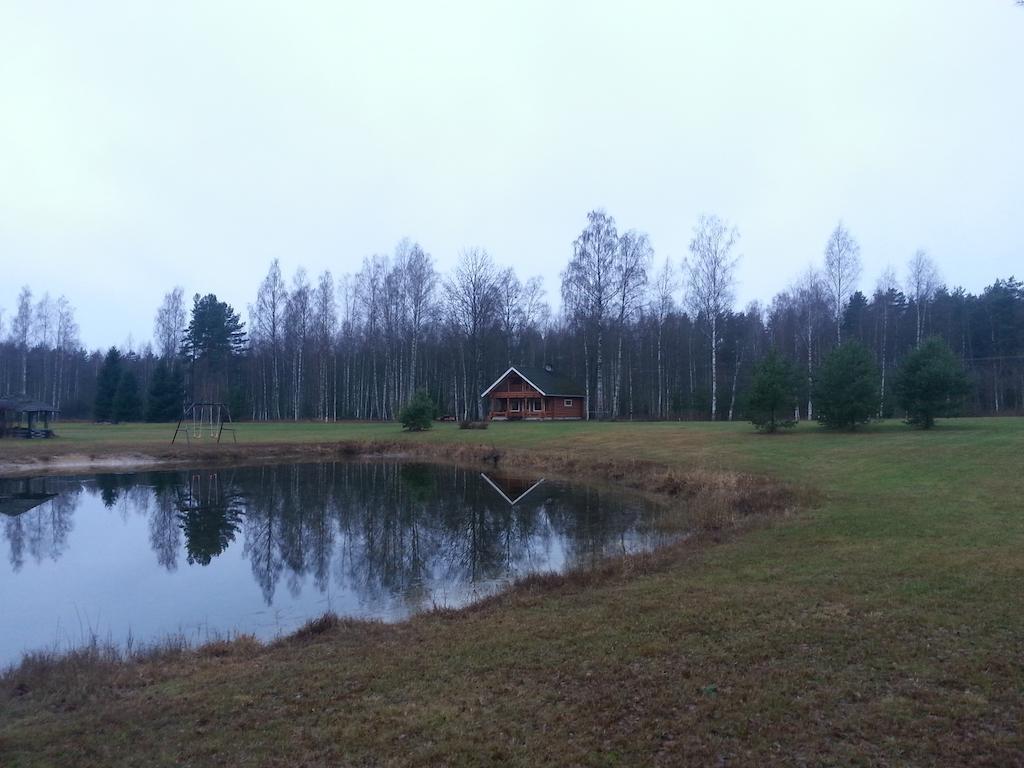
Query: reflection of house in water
x=511, y=489
x=19, y=496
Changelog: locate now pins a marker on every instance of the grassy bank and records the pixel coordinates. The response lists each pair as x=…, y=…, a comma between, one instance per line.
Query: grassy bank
x=881, y=627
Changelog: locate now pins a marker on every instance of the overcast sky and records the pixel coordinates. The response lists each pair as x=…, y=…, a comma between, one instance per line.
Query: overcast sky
x=150, y=144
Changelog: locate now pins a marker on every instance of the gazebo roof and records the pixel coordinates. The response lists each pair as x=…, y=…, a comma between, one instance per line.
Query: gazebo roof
x=12, y=506
x=25, y=405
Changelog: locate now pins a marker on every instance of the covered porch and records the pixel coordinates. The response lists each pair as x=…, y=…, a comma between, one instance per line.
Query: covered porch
x=516, y=407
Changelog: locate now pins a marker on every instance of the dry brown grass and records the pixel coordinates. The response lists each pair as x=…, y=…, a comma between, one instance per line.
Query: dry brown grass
x=881, y=629
x=713, y=504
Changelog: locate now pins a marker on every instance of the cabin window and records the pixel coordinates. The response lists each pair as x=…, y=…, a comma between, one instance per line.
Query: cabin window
x=537, y=405
x=568, y=402
x=514, y=404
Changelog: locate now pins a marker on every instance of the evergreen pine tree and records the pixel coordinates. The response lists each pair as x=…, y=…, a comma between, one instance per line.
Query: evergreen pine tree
x=106, y=386
x=127, y=401
x=931, y=382
x=847, y=387
x=772, y=398
x=213, y=340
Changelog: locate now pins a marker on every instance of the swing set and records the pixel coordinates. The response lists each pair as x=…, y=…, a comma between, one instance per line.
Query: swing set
x=205, y=421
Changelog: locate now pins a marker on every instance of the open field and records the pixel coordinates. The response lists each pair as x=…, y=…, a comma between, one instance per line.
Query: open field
x=882, y=627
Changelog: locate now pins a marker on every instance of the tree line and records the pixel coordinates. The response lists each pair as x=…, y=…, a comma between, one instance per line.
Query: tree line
x=646, y=337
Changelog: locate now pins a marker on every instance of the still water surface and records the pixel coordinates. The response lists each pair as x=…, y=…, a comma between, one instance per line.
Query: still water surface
x=207, y=553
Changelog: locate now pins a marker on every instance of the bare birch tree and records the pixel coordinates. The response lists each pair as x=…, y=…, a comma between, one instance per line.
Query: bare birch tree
x=21, y=332
x=369, y=288
x=420, y=285
x=65, y=343
x=711, y=277
x=169, y=324
x=809, y=294
x=510, y=310
x=298, y=316
x=42, y=338
x=887, y=286
x=588, y=286
x=632, y=263
x=842, y=269
x=535, y=310
x=922, y=283
x=268, y=322
x=661, y=306
x=472, y=304
x=325, y=323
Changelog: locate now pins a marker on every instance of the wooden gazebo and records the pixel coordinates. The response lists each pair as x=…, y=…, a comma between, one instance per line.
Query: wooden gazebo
x=22, y=417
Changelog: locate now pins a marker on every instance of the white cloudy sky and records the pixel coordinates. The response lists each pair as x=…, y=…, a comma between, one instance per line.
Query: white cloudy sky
x=149, y=144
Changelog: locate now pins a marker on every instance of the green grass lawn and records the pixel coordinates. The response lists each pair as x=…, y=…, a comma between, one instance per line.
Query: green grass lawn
x=883, y=627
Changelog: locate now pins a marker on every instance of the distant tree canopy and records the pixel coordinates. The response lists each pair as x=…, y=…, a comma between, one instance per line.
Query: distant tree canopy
x=847, y=387
x=670, y=344
x=772, y=399
x=930, y=383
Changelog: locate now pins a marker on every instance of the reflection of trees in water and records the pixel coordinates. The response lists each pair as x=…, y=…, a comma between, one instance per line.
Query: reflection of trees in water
x=307, y=535
x=385, y=515
x=320, y=529
x=288, y=526
x=484, y=537
x=41, y=530
x=595, y=524
x=209, y=511
x=392, y=533
x=122, y=492
x=164, y=531
x=109, y=487
x=263, y=523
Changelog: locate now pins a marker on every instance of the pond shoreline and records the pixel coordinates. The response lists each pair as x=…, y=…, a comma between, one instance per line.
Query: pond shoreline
x=712, y=506
x=731, y=494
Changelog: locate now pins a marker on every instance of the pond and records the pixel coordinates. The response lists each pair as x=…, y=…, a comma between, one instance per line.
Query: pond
x=206, y=553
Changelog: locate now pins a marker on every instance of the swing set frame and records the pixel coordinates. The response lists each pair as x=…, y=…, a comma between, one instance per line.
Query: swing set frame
x=199, y=417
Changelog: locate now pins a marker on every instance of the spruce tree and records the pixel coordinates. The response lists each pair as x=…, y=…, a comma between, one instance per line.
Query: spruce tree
x=127, y=401
x=930, y=383
x=847, y=387
x=419, y=414
x=164, y=402
x=772, y=398
x=106, y=386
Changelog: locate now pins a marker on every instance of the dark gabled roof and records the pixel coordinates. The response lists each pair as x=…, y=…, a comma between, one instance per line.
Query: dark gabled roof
x=549, y=383
x=24, y=405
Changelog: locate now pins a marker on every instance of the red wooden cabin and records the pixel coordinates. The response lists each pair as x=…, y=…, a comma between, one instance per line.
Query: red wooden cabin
x=534, y=393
